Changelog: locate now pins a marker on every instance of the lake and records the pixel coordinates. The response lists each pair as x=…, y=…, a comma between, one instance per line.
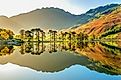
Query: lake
x=61, y=61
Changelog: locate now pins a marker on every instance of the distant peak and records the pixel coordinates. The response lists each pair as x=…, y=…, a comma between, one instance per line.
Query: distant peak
x=47, y=9
x=102, y=8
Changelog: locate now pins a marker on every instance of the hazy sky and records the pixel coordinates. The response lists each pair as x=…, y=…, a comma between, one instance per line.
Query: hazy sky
x=14, y=7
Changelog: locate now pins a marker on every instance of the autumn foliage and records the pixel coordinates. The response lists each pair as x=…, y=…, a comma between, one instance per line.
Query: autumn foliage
x=6, y=34
x=98, y=26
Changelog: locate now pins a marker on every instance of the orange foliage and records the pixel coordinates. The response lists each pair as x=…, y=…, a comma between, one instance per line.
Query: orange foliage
x=98, y=26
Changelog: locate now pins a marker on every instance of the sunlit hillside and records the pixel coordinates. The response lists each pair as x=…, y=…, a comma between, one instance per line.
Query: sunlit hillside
x=106, y=25
x=5, y=22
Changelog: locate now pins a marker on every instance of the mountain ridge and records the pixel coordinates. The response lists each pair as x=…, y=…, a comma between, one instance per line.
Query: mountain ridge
x=107, y=24
x=53, y=18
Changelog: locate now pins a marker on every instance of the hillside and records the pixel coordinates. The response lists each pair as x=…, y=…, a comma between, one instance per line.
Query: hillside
x=97, y=13
x=5, y=22
x=104, y=25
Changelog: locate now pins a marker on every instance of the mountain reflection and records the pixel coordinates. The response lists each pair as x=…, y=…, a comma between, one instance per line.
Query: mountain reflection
x=53, y=57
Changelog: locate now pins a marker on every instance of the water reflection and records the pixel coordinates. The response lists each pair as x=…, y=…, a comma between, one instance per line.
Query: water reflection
x=33, y=48
x=6, y=50
x=102, y=57
x=38, y=48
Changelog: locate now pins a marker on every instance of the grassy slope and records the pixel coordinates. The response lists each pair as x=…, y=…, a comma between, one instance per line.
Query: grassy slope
x=99, y=26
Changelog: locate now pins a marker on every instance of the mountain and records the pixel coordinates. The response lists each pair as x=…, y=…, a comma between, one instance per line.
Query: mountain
x=46, y=18
x=5, y=22
x=55, y=18
x=96, y=13
x=104, y=26
x=52, y=18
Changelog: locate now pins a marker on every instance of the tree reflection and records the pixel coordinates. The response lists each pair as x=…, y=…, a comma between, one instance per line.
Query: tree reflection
x=34, y=48
x=6, y=50
x=104, y=56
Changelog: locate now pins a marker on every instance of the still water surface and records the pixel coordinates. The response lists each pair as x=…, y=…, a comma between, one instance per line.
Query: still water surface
x=61, y=61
